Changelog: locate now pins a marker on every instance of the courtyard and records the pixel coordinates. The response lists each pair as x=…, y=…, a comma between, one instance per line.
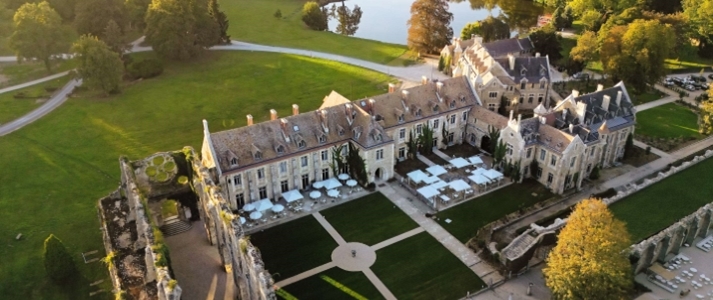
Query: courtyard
x=393, y=257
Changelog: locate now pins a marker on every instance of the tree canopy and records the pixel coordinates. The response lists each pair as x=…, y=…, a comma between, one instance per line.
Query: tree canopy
x=348, y=19
x=114, y=38
x=94, y=15
x=586, y=48
x=314, y=17
x=601, y=6
x=221, y=19
x=547, y=42
x=429, y=26
x=98, y=66
x=699, y=14
x=180, y=29
x=38, y=33
x=490, y=29
x=136, y=9
x=590, y=259
x=636, y=53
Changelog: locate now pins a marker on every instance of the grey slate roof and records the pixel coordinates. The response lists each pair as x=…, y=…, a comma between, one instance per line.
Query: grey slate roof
x=515, y=46
x=531, y=68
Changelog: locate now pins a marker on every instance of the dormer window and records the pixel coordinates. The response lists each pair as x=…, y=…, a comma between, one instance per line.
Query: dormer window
x=453, y=104
x=418, y=112
x=258, y=155
x=234, y=162
x=462, y=98
x=523, y=84
x=401, y=117
x=301, y=144
x=435, y=108
x=280, y=149
x=377, y=137
x=322, y=139
x=522, y=72
x=341, y=131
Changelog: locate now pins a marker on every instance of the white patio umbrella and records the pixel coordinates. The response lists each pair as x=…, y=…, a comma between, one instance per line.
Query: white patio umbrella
x=256, y=215
x=263, y=205
x=343, y=176
x=436, y=170
x=417, y=176
x=331, y=184
x=249, y=207
x=351, y=183
x=318, y=184
x=315, y=194
x=278, y=208
x=242, y=220
x=333, y=193
x=459, y=162
x=292, y=196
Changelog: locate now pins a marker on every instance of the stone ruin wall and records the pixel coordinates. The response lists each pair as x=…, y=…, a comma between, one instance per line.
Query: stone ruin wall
x=238, y=255
x=129, y=193
x=650, y=250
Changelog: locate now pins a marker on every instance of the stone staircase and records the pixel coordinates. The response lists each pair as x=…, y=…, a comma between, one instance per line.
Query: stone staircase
x=519, y=245
x=174, y=226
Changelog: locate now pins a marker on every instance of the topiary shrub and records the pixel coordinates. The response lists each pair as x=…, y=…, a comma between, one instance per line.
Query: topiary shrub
x=169, y=166
x=145, y=69
x=58, y=262
x=151, y=171
x=158, y=160
x=182, y=179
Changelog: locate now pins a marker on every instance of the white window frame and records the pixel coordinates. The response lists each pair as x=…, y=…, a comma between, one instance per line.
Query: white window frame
x=325, y=155
x=380, y=154
x=261, y=173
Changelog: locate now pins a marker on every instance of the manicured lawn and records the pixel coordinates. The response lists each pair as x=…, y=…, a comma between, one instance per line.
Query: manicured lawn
x=55, y=169
x=660, y=205
x=4, y=47
x=369, y=220
x=567, y=45
x=667, y=121
x=421, y=268
x=647, y=97
x=253, y=21
x=295, y=247
x=11, y=108
x=27, y=71
x=470, y=216
x=332, y=284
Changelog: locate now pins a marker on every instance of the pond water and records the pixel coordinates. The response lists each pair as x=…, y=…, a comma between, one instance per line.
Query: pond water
x=385, y=20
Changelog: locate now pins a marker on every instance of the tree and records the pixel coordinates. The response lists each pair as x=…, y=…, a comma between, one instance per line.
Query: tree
x=114, y=38
x=699, y=14
x=602, y=6
x=444, y=136
x=221, y=20
x=490, y=29
x=705, y=115
x=65, y=8
x=558, y=18
x=98, y=66
x=678, y=24
x=591, y=20
x=533, y=168
x=494, y=136
x=590, y=259
x=663, y=6
x=93, y=16
x=441, y=64
x=629, y=146
x=568, y=16
x=348, y=19
x=136, y=10
x=499, y=154
x=357, y=166
x=314, y=17
x=412, y=145
x=636, y=53
x=425, y=140
x=429, y=26
x=469, y=30
x=38, y=33
x=180, y=29
x=59, y=264
x=208, y=32
x=547, y=42
x=586, y=48
x=594, y=175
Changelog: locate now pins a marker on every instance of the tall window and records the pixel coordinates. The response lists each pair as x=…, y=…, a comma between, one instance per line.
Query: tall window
x=530, y=98
x=261, y=173
x=571, y=163
x=283, y=167
x=325, y=174
x=303, y=161
x=540, y=97
x=523, y=85
x=284, y=187
x=542, y=84
x=325, y=155
x=592, y=153
x=509, y=149
x=435, y=124
x=538, y=174
x=553, y=160
x=493, y=94
x=543, y=153
x=550, y=177
x=401, y=117
x=238, y=179
x=380, y=154
x=402, y=133
x=465, y=115
x=234, y=162
x=529, y=152
x=305, y=181
x=402, y=152
x=240, y=199
x=453, y=119
x=418, y=128
x=263, y=192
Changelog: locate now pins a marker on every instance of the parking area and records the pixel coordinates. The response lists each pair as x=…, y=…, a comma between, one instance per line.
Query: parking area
x=694, y=84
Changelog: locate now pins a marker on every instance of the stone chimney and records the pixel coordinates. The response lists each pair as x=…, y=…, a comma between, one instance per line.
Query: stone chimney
x=273, y=114
x=439, y=86
x=424, y=80
x=571, y=128
x=564, y=114
x=600, y=87
x=618, y=98
x=295, y=109
x=575, y=93
x=250, y=119
x=537, y=54
x=605, y=102
x=511, y=114
x=392, y=87
x=511, y=61
x=404, y=95
x=519, y=118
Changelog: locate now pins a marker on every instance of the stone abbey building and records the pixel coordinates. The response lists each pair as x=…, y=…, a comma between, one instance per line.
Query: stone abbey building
x=567, y=139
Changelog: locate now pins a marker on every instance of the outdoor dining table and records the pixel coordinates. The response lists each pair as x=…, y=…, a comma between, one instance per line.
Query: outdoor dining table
x=315, y=194
x=333, y=193
x=256, y=215
x=445, y=198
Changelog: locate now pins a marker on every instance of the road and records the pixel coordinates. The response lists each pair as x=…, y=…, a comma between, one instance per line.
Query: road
x=31, y=83
x=55, y=101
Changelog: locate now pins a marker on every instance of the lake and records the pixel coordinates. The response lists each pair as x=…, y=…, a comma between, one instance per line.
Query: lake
x=385, y=20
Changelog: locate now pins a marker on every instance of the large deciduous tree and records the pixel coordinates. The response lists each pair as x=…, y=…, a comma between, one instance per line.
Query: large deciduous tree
x=38, y=33
x=705, y=115
x=94, y=15
x=699, y=14
x=98, y=66
x=590, y=260
x=179, y=29
x=115, y=38
x=429, y=26
x=348, y=19
x=136, y=10
x=547, y=42
x=602, y=6
x=59, y=265
x=586, y=49
x=493, y=29
x=636, y=53
x=314, y=17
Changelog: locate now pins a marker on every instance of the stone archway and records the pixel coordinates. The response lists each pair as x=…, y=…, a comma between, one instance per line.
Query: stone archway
x=485, y=143
x=378, y=174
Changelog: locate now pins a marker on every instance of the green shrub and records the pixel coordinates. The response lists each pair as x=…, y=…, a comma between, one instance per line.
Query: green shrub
x=151, y=171
x=158, y=160
x=169, y=166
x=146, y=68
x=58, y=262
x=182, y=179
x=161, y=177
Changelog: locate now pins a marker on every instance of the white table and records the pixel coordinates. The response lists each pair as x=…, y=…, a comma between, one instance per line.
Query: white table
x=445, y=198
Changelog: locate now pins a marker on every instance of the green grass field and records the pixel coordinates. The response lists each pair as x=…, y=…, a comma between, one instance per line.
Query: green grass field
x=647, y=97
x=27, y=71
x=283, y=247
x=470, y=216
x=330, y=284
x=667, y=121
x=660, y=205
x=56, y=168
x=369, y=220
x=253, y=21
x=11, y=108
x=421, y=268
